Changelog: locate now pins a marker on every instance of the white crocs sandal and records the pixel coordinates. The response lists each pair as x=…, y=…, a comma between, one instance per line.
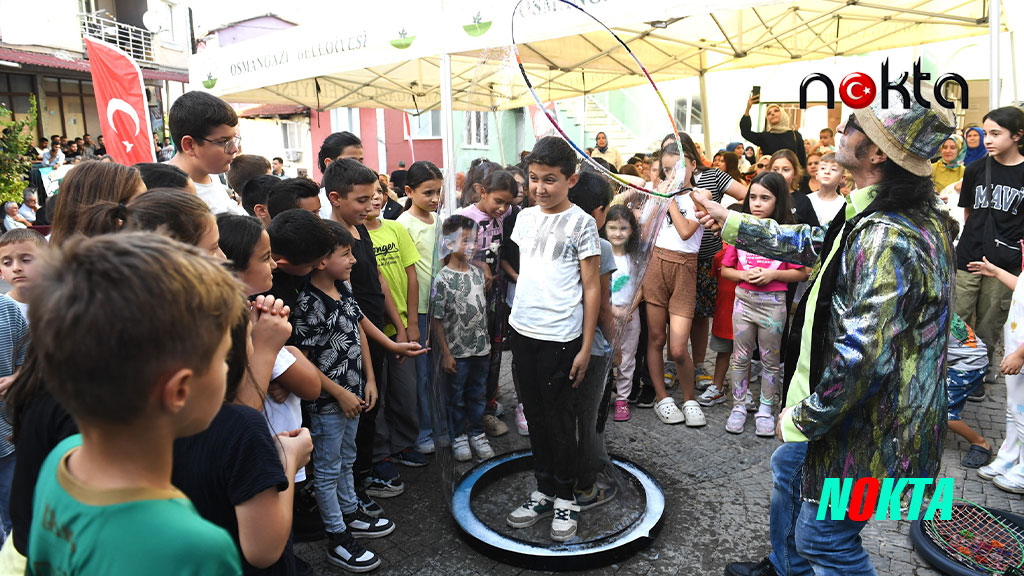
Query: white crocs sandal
x=693, y=414
x=668, y=412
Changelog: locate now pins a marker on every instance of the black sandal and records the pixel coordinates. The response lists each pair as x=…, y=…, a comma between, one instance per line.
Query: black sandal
x=976, y=457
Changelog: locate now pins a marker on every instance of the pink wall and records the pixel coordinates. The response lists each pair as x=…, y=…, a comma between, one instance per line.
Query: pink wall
x=368, y=134
x=398, y=147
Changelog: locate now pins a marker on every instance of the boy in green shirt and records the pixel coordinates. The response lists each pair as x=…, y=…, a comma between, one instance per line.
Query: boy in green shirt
x=104, y=503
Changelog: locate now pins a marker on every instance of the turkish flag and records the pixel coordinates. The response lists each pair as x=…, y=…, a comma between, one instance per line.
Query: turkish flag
x=121, y=101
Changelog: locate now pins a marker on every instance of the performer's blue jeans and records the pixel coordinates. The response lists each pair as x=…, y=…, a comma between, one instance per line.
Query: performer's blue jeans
x=802, y=545
x=784, y=511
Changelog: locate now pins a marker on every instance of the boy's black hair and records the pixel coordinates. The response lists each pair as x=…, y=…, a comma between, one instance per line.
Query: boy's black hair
x=278, y=159
x=197, y=114
x=285, y=194
x=340, y=234
x=157, y=175
x=591, y=192
x=334, y=145
x=553, y=151
x=238, y=238
x=256, y=191
x=343, y=174
x=300, y=237
x=457, y=222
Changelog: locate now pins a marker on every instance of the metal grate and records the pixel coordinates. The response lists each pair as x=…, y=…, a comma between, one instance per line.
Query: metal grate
x=138, y=43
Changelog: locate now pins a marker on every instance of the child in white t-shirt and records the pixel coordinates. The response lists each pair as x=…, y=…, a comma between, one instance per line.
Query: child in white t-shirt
x=553, y=321
x=827, y=201
x=670, y=287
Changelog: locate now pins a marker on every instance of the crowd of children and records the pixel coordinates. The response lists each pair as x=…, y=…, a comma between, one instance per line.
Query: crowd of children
x=296, y=328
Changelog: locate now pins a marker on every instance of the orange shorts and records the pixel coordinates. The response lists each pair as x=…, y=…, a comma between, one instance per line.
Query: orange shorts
x=671, y=282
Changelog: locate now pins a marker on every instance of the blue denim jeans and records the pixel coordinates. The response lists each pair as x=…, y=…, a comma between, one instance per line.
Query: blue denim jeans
x=832, y=547
x=6, y=478
x=467, y=395
x=334, y=451
x=787, y=463
x=423, y=368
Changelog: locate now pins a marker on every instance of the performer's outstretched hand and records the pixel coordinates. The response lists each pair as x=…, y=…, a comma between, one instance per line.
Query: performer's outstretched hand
x=713, y=215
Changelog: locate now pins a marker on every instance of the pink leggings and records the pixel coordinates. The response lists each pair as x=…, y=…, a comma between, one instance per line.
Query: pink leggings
x=624, y=371
x=758, y=319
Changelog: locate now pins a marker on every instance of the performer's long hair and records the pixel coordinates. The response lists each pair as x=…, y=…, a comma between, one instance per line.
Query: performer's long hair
x=902, y=191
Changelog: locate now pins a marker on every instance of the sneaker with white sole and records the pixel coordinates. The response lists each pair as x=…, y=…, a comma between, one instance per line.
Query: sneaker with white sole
x=426, y=447
x=461, y=448
x=537, y=506
x=566, y=520
x=481, y=447
x=737, y=418
x=521, y=425
x=668, y=412
x=361, y=525
x=1008, y=484
x=764, y=425
x=693, y=415
x=701, y=378
x=344, y=552
x=711, y=396
x=990, y=471
x=493, y=426
x=599, y=493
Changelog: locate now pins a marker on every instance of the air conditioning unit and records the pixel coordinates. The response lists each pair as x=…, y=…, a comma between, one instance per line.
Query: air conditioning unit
x=293, y=155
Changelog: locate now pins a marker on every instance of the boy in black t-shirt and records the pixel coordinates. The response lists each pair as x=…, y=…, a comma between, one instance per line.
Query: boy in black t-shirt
x=350, y=187
x=993, y=227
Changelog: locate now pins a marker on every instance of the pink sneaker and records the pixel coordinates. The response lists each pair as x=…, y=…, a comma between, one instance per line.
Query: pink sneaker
x=621, y=411
x=521, y=426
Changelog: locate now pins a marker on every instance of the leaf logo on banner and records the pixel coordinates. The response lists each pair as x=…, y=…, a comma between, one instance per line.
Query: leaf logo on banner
x=477, y=28
x=210, y=81
x=403, y=41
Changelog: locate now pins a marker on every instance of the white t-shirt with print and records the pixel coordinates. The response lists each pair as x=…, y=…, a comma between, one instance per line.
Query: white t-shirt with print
x=549, y=294
x=216, y=197
x=668, y=237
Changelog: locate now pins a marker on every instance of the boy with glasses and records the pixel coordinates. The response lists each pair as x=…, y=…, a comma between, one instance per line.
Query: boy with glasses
x=205, y=133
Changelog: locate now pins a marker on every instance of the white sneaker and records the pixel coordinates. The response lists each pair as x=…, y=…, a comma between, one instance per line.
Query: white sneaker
x=426, y=447
x=563, y=525
x=461, y=448
x=748, y=400
x=711, y=396
x=481, y=446
x=521, y=425
x=668, y=412
x=499, y=409
x=693, y=414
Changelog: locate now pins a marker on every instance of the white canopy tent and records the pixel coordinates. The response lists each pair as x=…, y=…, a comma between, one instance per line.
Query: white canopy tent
x=410, y=55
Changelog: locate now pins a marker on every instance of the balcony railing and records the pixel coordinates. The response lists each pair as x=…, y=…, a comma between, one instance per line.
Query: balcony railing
x=137, y=42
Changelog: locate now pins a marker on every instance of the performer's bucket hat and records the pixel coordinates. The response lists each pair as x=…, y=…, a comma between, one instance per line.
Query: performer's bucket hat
x=910, y=137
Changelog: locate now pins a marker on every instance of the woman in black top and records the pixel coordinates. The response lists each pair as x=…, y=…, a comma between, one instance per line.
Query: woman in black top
x=780, y=135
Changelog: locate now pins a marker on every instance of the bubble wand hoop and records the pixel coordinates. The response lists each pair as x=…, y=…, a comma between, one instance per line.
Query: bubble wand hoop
x=676, y=181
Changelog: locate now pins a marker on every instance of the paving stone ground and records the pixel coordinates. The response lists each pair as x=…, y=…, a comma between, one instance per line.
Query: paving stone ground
x=717, y=486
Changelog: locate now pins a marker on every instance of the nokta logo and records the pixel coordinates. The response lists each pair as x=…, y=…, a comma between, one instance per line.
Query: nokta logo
x=858, y=90
x=868, y=497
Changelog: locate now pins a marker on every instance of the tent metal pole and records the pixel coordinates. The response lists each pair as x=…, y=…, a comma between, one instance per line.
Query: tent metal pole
x=994, y=14
x=447, y=133
x=1013, y=66
x=704, y=104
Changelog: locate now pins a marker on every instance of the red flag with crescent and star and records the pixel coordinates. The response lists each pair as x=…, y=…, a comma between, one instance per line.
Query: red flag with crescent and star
x=121, y=101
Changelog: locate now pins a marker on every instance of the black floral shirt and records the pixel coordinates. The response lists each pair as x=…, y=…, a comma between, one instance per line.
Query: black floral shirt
x=329, y=330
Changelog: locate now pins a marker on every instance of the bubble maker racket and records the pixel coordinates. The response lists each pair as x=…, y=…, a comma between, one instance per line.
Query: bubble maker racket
x=974, y=541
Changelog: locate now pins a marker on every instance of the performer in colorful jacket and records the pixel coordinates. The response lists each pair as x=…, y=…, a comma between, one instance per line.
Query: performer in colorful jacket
x=867, y=353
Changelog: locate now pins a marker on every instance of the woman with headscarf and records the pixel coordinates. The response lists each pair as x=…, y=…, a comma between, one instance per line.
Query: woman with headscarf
x=975, y=145
x=737, y=149
x=780, y=134
x=949, y=169
x=750, y=155
x=606, y=152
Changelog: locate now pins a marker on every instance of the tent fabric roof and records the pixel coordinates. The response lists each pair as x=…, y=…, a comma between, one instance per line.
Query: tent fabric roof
x=565, y=55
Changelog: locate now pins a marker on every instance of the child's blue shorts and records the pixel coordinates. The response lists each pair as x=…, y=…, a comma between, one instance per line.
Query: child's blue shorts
x=958, y=386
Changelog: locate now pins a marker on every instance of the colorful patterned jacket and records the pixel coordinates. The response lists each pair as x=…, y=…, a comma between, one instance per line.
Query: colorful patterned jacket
x=866, y=370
